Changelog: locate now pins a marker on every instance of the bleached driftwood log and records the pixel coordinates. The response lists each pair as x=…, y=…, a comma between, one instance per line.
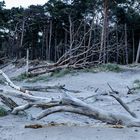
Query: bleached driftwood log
x=49, y=88
x=71, y=104
x=11, y=84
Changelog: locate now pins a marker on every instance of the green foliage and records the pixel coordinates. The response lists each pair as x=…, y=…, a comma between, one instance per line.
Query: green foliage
x=110, y=67
x=104, y=67
x=20, y=77
x=136, y=84
x=38, y=78
x=31, y=79
x=61, y=73
x=56, y=15
x=3, y=111
x=1, y=81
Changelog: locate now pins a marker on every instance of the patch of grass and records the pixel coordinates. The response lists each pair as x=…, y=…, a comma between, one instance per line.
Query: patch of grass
x=20, y=77
x=109, y=67
x=136, y=84
x=103, y=67
x=93, y=70
x=61, y=73
x=38, y=78
x=1, y=82
x=3, y=111
x=137, y=81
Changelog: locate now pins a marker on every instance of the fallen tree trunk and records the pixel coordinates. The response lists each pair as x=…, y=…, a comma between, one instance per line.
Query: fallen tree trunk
x=8, y=102
x=44, y=88
x=48, y=88
x=11, y=84
x=95, y=114
x=74, y=105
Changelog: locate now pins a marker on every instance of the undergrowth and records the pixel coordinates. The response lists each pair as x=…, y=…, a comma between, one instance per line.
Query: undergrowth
x=109, y=67
x=38, y=78
x=63, y=72
x=104, y=67
x=20, y=77
x=136, y=84
x=3, y=111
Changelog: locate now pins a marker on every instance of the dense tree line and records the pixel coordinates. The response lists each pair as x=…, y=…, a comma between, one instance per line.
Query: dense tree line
x=106, y=30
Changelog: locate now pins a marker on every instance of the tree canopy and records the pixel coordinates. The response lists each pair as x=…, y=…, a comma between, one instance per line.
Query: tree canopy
x=51, y=29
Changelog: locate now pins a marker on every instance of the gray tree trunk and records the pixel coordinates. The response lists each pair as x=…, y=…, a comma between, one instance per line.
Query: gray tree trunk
x=138, y=53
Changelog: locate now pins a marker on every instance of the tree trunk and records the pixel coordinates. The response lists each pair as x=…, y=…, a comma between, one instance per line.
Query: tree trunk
x=133, y=39
x=117, y=38
x=126, y=46
x=103, y=46
x=50, y=40
x=138, y=53
x=22, y=36
x=27, y=61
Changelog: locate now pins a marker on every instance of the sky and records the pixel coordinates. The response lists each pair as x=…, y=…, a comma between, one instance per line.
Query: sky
x=23, y=3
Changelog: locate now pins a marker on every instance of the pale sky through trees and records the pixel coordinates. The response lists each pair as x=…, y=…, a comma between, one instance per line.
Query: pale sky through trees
x=23, y=3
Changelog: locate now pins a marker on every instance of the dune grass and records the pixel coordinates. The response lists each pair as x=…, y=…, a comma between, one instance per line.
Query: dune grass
x=3, y=111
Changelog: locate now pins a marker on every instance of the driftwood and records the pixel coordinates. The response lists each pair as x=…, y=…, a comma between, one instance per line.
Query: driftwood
x=11, y=84
x=44, y=88
x=49, y=88
x=124, y=106
x=34, y=126
x=8, y=102
x=121, y=102
x=67, y=103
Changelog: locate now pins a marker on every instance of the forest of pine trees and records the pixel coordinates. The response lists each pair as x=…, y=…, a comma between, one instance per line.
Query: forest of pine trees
x=89, y=31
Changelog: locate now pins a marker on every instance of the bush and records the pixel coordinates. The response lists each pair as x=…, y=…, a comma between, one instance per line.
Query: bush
x=20, y=77
x=3, y=111
x=61, y=73
x=103, y=67
x=137, y=84
x=110, y=67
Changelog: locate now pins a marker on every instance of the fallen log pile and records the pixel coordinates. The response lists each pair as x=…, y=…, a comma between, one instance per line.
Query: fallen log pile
x=65, y=103
x=76, y=58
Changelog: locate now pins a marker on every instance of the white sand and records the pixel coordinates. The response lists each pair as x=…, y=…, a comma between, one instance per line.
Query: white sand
x=77, y=127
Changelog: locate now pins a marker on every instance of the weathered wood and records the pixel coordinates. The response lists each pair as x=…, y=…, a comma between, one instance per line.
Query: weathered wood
x=121, y=102
x=124, y=106
x=21, y=108
x=12, y=85
x=44, y=88
x=48, y=88
x=77, y=106
x=8, y=102
x=34, y=126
